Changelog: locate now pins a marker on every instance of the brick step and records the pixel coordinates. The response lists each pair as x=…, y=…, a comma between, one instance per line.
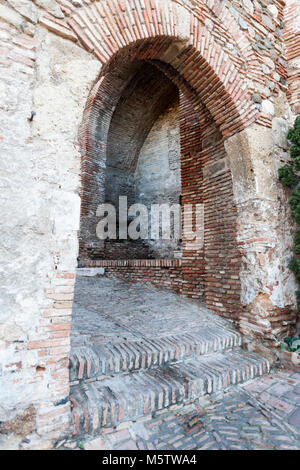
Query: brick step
x=129, y=397
x=94, y=362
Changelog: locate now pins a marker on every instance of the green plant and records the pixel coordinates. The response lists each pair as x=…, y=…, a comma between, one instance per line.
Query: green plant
x=291, y=344
x=287, y=176
x=294, y=266
x=287, y=172
x=294, y=134
x=297, y=242
x=290, y=179
x=298, y=299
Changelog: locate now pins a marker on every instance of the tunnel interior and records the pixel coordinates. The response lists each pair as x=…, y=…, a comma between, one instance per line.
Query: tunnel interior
x=143, y=161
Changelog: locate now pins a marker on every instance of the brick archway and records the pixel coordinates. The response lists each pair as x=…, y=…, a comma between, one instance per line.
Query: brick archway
x=228, y=54
x=212, y=83
x=177, y=38
x=107, y=27
x=219, y=102
x=206, y=178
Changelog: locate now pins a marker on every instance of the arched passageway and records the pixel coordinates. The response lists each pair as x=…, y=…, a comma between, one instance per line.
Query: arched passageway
x=142, y=159
x=150, y=135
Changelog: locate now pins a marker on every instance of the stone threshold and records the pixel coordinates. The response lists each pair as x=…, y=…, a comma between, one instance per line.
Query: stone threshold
x=105, y=263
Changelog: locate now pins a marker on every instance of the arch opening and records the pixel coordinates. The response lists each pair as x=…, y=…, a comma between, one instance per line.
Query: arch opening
x=145, y=110
x=143, y=158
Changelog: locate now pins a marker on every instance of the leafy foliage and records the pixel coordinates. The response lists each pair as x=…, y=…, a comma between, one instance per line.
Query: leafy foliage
x=297, y=163
x=295, y=205
x=294, y=133
x=291, y=344
x=297, y=237
x=298, y=299
x=295, y=151
x=296, y=214
x=294, y=137
x=286, y=173
x=290, y=179
x=287, y=176
x=294, y=266
x=295, y=198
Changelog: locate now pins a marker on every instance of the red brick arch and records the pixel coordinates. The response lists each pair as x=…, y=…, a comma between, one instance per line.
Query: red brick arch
x=206, y=123
x=98, y=122
x=228, y=28
x=212, y=83
x=226, y=102
x=108, y=27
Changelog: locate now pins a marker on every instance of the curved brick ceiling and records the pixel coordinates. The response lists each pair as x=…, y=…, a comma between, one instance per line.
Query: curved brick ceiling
x=220, y=30
x=147, y=95
x=106, y=28
x=128, y=97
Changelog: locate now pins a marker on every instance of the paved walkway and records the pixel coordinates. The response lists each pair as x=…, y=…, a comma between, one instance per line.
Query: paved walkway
x=111, y=311
x=262, y=414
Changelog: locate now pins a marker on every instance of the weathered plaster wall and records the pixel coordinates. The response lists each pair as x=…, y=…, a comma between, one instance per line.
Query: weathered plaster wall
x=157, y=177
x=40, y=181
x=142, y=101
x=265, y=226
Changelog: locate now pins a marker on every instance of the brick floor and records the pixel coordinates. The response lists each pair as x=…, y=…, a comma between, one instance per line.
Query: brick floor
x=137, y=350
x=111, y=311
x=261, y=414
x=122, y=333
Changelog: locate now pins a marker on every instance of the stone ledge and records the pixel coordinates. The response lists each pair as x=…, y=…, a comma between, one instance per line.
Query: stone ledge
x=89, y=271
x=161, y=263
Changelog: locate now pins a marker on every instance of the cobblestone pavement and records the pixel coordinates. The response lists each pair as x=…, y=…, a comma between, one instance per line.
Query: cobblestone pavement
x=261, y=414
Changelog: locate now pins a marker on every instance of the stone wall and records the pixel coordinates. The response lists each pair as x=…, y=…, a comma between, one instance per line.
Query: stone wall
x=62, y=63
x=45, y=81
x=157, y=178
x=137, y=161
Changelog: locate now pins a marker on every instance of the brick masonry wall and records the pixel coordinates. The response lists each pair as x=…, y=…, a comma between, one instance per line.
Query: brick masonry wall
x=292, y=50
x=235, y=61
x=115, y=249
x=162, y=273
x=221, y=251
x=192, y=193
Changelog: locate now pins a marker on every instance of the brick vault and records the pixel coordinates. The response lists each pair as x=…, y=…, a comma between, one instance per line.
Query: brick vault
x=86, y=78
